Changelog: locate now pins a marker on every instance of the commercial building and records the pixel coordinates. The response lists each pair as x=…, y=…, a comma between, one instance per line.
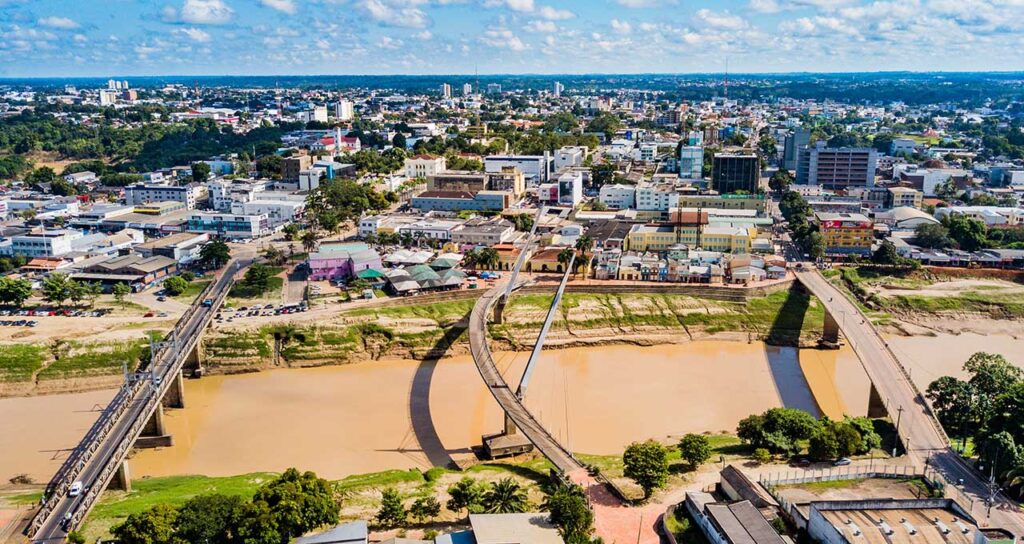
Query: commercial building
x=455, y=201
x=457, y=180
x=795, y=142
x=691, y=156
x=160, y=208
x=570, y=156
x=292, y=167
x=484, y=232
x=730, y=523
x=43, y=243
x=836, y=168
x=927, y=521
x=278, y=212
x=230, y=226
x=567, y=191
x=654, y=200
x=424, y=166
x=183, y=247
x=665, y=236
x=992, y=216
x=927, y=179
x=144, y=194
x=618, y=196
x=755, y=202
x=342, y=260
x=509, y=179
x=846, y=233
x=536, y=169
x=134, y=270
x=732, y=172
x=903, y=196
x=344, y=110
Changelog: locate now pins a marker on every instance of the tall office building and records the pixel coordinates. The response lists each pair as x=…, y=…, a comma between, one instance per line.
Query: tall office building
x=467, y=89
x=446, y=90
x=733, y=172
x=344, y=110
x=836, y=168
x=797, y=140
x=691, y=156
x=494, y=88
x=558, y=89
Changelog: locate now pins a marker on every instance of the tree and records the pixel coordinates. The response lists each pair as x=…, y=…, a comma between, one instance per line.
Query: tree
x=886, y=254
x=200, y=171
x=505, y=496
x=780, y=181
x=298, y=503
x=932, y=236
x=83, y=290
x=605, y=122
x=259, y=525
x=274, y=256
x=291, y=231
x=970, y=234
x=523, y=222
x=778, y=430
x=824, y=445
x=121, y=290
x=762, y=456
x=565, y=256
x=601, y=175
x=425, y=508
x=466, y=494
x=75, y=537
x=153, y=526
x=57, y=288
x=210, y=519
x=270, y=166
x=392, y=513
x=646, y=463
x=488, y=257
x=308, y=239
x=695, y=449
x=175, y=285
x=570, y=512
x=998, y=453
x=14, y=291
x=815, y=245
x=215, y=254
x=399, y=140
x=257, y=279
x=954, y=404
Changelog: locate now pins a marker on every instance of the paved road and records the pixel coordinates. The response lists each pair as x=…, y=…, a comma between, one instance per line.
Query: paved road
x=920, y=432
x=128, y=411
x=509, y=402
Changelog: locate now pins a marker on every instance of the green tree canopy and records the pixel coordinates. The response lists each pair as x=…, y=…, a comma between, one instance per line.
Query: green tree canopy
x=14, y=291
x=695, y=449
x=646, y=463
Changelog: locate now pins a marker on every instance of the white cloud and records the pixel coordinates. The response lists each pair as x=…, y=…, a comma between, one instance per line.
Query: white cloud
x=553, y=14
x=199, y=12
x=423, y=35
x=541, y=26
x=520, y=5
x=720, y=19
x=622, y=27
x=286, y=6
x=387, y=42
x=765, y=6
x=646, y=3
x=194, y=34
x=58, y=22
x=503, y=38
x=395, y=13
x=80, y=38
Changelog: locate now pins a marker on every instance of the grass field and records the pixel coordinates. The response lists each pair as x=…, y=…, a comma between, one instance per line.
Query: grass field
x=241, y=293
x=194, y=288
x=83, y=359
x=18, y=362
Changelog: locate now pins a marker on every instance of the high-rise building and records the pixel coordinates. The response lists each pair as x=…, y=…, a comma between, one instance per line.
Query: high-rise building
x=558, y=89
x=446, y=90
x=108, y=97
x=691, y=156
x=467, y=89
x=111, y=84
x=799, y=139
x=494, y=88
x=836, y=168
x=344, y=110
x=732, y=172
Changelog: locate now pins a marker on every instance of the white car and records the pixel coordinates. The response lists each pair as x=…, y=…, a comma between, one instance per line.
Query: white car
x=76, y=489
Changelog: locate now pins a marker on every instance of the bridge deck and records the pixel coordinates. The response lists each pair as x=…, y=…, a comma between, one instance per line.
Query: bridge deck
x=919, y=430
x=507, y=399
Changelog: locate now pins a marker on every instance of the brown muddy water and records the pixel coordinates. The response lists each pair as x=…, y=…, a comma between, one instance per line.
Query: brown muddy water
x=381, y=415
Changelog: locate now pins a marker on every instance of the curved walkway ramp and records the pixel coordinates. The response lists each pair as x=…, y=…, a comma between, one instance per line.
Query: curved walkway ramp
x=507, y=399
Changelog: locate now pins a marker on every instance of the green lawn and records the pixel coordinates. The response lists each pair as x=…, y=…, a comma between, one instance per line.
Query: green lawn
x=194, y=288
x=19, y=361
x=243, y=293
x=95, y=359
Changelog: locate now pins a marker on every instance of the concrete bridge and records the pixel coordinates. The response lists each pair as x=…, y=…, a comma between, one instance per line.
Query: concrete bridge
x=134, y=418
x=893, y=391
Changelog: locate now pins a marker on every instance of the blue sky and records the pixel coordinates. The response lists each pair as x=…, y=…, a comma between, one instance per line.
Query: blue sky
x=264, y=37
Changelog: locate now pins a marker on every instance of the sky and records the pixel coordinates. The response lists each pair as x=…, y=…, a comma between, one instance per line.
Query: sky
x=115, y=38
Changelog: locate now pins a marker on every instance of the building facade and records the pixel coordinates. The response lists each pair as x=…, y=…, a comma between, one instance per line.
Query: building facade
x=836, y=168
x=732, y=172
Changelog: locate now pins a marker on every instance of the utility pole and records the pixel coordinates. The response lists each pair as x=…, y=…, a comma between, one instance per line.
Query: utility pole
x=899, y=417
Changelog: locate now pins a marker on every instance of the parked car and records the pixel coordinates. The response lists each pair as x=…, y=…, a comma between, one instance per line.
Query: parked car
x=161, y=298
x=76, y=489
x=842, y=462
x=799, y=462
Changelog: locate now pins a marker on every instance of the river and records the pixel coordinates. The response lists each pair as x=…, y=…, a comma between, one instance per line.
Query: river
x=380, y=415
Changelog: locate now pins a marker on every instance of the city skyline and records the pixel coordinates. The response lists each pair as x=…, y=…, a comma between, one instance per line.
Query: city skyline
x=430, y=37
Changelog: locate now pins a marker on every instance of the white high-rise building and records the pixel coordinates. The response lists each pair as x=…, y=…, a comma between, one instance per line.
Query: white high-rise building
x=558, y=89
x=344, y=111
x=691, y=156
x=467, y=89
x=111, y=84
x=108, y=97
x=446, y=90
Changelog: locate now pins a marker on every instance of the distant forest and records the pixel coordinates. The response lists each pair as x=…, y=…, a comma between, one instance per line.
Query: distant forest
x=969, y=89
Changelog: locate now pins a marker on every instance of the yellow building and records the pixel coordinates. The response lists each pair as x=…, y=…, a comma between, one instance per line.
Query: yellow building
x=711, y=238
x=846, y=233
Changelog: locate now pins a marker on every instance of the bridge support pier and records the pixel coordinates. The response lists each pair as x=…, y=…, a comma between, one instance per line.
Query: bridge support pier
x=175, y=395
x=122, y=479
x=194, y=360
x=499, y=311
x=154, y=434
x=876, y=406
x=830, y=331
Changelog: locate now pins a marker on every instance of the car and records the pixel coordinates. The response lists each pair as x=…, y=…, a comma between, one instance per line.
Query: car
x=161, y=298
x=149, y=314
x=800, y=462
x=32, y=323
x=208, y=302
x=76, y=489
x=841, y=462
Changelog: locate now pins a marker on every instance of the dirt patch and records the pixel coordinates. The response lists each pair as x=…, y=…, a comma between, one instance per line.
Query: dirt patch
x=950, y=288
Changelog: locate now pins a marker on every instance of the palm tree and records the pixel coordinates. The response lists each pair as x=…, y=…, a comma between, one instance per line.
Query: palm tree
x=489, y=257
x=565, y=256
x=1015, y=479
x=583, y=245
x=505, y=496
x=308, y=240
x=471, y=258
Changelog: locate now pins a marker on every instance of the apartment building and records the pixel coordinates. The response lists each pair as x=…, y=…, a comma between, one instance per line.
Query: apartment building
x=732, y=172
x=846, y=233
x=135, y=195
x=292, y=167
x=424, y=166
x=903, y=196
x=836, y=168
